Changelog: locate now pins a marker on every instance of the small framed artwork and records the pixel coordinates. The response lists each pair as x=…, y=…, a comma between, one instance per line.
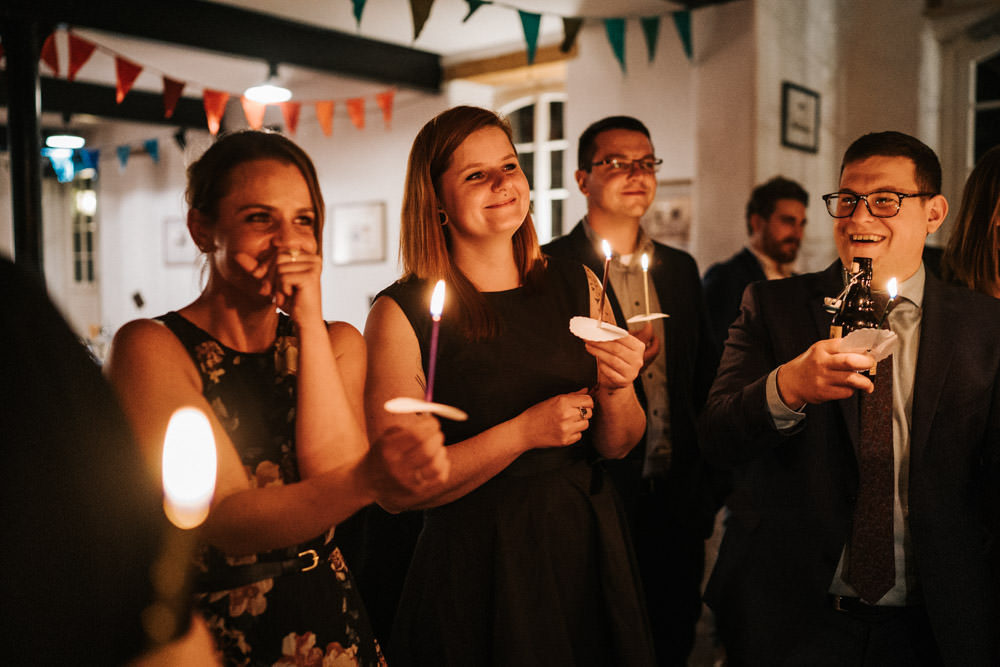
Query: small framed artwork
x=799, y=117
x=178, y=246
x=668, y=219
x=357, y=233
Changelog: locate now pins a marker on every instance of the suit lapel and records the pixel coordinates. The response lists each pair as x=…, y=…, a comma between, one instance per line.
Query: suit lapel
x=933, y=359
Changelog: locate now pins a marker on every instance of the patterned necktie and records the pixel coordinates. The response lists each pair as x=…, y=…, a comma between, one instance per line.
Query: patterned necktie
x=871, y=568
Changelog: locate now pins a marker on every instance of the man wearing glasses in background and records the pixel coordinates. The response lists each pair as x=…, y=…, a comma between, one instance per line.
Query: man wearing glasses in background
x=666, y=489
x=860, y=532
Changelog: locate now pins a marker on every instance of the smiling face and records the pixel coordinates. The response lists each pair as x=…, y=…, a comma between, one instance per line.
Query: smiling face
x=484, y=192
x=780, y=235
x=613, y=194
x=895, y=244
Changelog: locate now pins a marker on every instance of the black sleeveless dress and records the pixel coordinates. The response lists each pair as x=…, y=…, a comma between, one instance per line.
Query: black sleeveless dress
x=297, y=618
x=534, y=567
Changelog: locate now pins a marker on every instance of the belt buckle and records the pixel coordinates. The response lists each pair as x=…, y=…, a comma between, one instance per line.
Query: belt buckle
x=315, y=559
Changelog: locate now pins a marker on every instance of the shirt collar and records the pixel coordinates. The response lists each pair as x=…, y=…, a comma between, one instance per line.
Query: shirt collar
x=643, y=244
x=772, y=269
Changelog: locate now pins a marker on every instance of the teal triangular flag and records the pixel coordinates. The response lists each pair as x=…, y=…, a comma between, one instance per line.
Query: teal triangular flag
x=359, y=7
x=473, y=6
x=651, y=30
x=682, y=21
x=530, y=23
x=152, y=147
x=420, y=10
x=616, y=37
x=123, y=152
x=571, y=28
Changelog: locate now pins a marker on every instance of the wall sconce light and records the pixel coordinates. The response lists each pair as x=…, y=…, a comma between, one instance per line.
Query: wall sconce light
x=269, y=92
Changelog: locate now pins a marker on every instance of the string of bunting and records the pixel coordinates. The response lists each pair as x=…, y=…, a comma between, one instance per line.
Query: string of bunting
x=531, y=21
x=127, y=71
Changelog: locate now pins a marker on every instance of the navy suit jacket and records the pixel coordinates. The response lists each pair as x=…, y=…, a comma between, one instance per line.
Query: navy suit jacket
x=791, y=510
x=724, y=283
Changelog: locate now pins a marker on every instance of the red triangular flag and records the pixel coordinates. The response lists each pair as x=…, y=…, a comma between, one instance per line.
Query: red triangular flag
x=356, y=110
x=80, y=51
x=49, y=55
x=215, y=106
x=324, y=114
x=171, y=94
x=384, y=101
x=126, y=73
x=254, y=111
x=290, y=111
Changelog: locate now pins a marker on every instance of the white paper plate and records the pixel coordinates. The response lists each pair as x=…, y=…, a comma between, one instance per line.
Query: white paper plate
x=406, y=406
x=590, y=329
x=646, y=318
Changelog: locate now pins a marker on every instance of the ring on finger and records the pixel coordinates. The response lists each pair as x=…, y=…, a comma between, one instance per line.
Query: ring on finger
x=583, y=413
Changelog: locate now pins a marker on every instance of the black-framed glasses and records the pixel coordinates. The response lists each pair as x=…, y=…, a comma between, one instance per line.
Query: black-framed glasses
x=881, y=204
x=649, y=165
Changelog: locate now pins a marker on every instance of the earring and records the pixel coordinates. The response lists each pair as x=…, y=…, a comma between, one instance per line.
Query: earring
x=442, y=217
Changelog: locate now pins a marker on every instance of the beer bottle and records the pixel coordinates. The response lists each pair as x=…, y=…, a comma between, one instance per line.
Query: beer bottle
x=858, y=309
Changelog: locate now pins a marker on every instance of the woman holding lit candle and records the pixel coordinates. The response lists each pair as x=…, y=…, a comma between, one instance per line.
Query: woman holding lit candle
x=523, y=558
x=283, y=392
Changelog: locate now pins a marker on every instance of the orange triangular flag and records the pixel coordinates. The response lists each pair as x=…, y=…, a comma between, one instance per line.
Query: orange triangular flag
x=254, y=111
x=290, y=111
x=80, y=51
x=49, y=55
x=171, y=94
x=126, y=73
x=215, y=106
x=356, y=110
x=384, y=101
x=324, y=114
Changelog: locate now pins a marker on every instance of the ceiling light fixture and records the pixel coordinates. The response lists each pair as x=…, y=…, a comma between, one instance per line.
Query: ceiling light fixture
x=65, y=140
x=269, y=92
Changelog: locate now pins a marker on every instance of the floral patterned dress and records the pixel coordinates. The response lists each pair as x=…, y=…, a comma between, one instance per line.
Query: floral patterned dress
x=302, y=618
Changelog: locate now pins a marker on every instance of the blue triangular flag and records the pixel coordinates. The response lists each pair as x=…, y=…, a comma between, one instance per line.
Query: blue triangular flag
x=530, y=23
x=473, y=6
x=123, y=152
x=152, y=147
x=359, y=7
x=651, y=30
x=616, y=37
x=62, y=163
x=682, y=21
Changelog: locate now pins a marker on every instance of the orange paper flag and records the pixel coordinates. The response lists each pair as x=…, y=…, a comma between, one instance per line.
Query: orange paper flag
x=324, y=114
x=384, y=101
x=126, y=73
x=80, y=51
x=356, y=110
x=49, y=55
x=215, y=106
x=290, y=111
x=254, y=111
x=171, y=94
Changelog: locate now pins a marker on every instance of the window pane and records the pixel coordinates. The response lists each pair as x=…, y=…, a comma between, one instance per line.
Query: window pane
x=557, y=169
x=556, y=120
x=522, y=122
x=527, y=160
x=988, y=80
x=987, y=131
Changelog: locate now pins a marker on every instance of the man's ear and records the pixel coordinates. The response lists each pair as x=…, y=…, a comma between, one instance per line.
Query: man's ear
x=581, y=181
x=756, y=224
x=937, y=211
x=200, y=230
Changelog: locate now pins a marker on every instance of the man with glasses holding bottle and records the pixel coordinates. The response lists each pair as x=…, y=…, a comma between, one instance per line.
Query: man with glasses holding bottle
x=663, y=482
x=859, y=533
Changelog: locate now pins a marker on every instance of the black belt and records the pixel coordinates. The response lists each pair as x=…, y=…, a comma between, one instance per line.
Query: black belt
x=869, y=612
x=237, y=576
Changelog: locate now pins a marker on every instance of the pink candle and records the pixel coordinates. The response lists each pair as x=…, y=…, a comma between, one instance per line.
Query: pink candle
x=604, y=281
x=437, y=305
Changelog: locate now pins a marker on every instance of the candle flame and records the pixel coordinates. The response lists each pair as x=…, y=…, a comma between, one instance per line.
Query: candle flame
x=607, y=248
x=437, y=299
x=189, y=465
x=645, y=262
x=892, y=288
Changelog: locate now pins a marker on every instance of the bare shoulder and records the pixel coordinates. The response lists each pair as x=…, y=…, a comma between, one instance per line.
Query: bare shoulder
x=345, y=338
x=386, y=319
x=142, y=338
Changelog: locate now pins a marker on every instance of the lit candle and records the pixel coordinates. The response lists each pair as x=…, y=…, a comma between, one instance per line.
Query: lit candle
x=645, y=279
x=437, y=305
x=891, y=288
x=604, y=281
x=189, y=465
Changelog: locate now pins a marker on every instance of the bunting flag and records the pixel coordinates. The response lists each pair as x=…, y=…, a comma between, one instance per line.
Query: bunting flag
x=571, y=28
x=254, y=112
x=181, y=138
x=324, y=115
x=420, y=10
x=49, y=55
x=215, y=106
x=616, y=37
x=123, y=152
x=359, y=7
x=651, y=31
x=290, y=112
x=682, y=21
x=384, y=101
x=80, y=51
x=152, y=147
x=126, y=72
x=530, y=24
x=88, y=157
x=62, y=163
x=171, y=94
x=356, y=110
x=473, y=6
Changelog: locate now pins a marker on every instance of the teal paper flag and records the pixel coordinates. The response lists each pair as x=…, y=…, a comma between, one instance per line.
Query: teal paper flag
x=123, y=153
x=152, y=147
x=571, y=28
x=651, y=30
x=420, y=9
x=616, y=37
x=530, y=23
x=359, y=7
x=473, y=6
x=682, y=21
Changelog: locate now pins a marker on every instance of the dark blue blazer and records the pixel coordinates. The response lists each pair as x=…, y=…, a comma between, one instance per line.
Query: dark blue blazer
x=724, y=283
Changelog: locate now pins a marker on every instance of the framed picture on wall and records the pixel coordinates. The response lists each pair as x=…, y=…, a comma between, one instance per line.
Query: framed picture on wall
x=668, y=219
x=799, y=117
x=357, y=233
x=178, y=246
